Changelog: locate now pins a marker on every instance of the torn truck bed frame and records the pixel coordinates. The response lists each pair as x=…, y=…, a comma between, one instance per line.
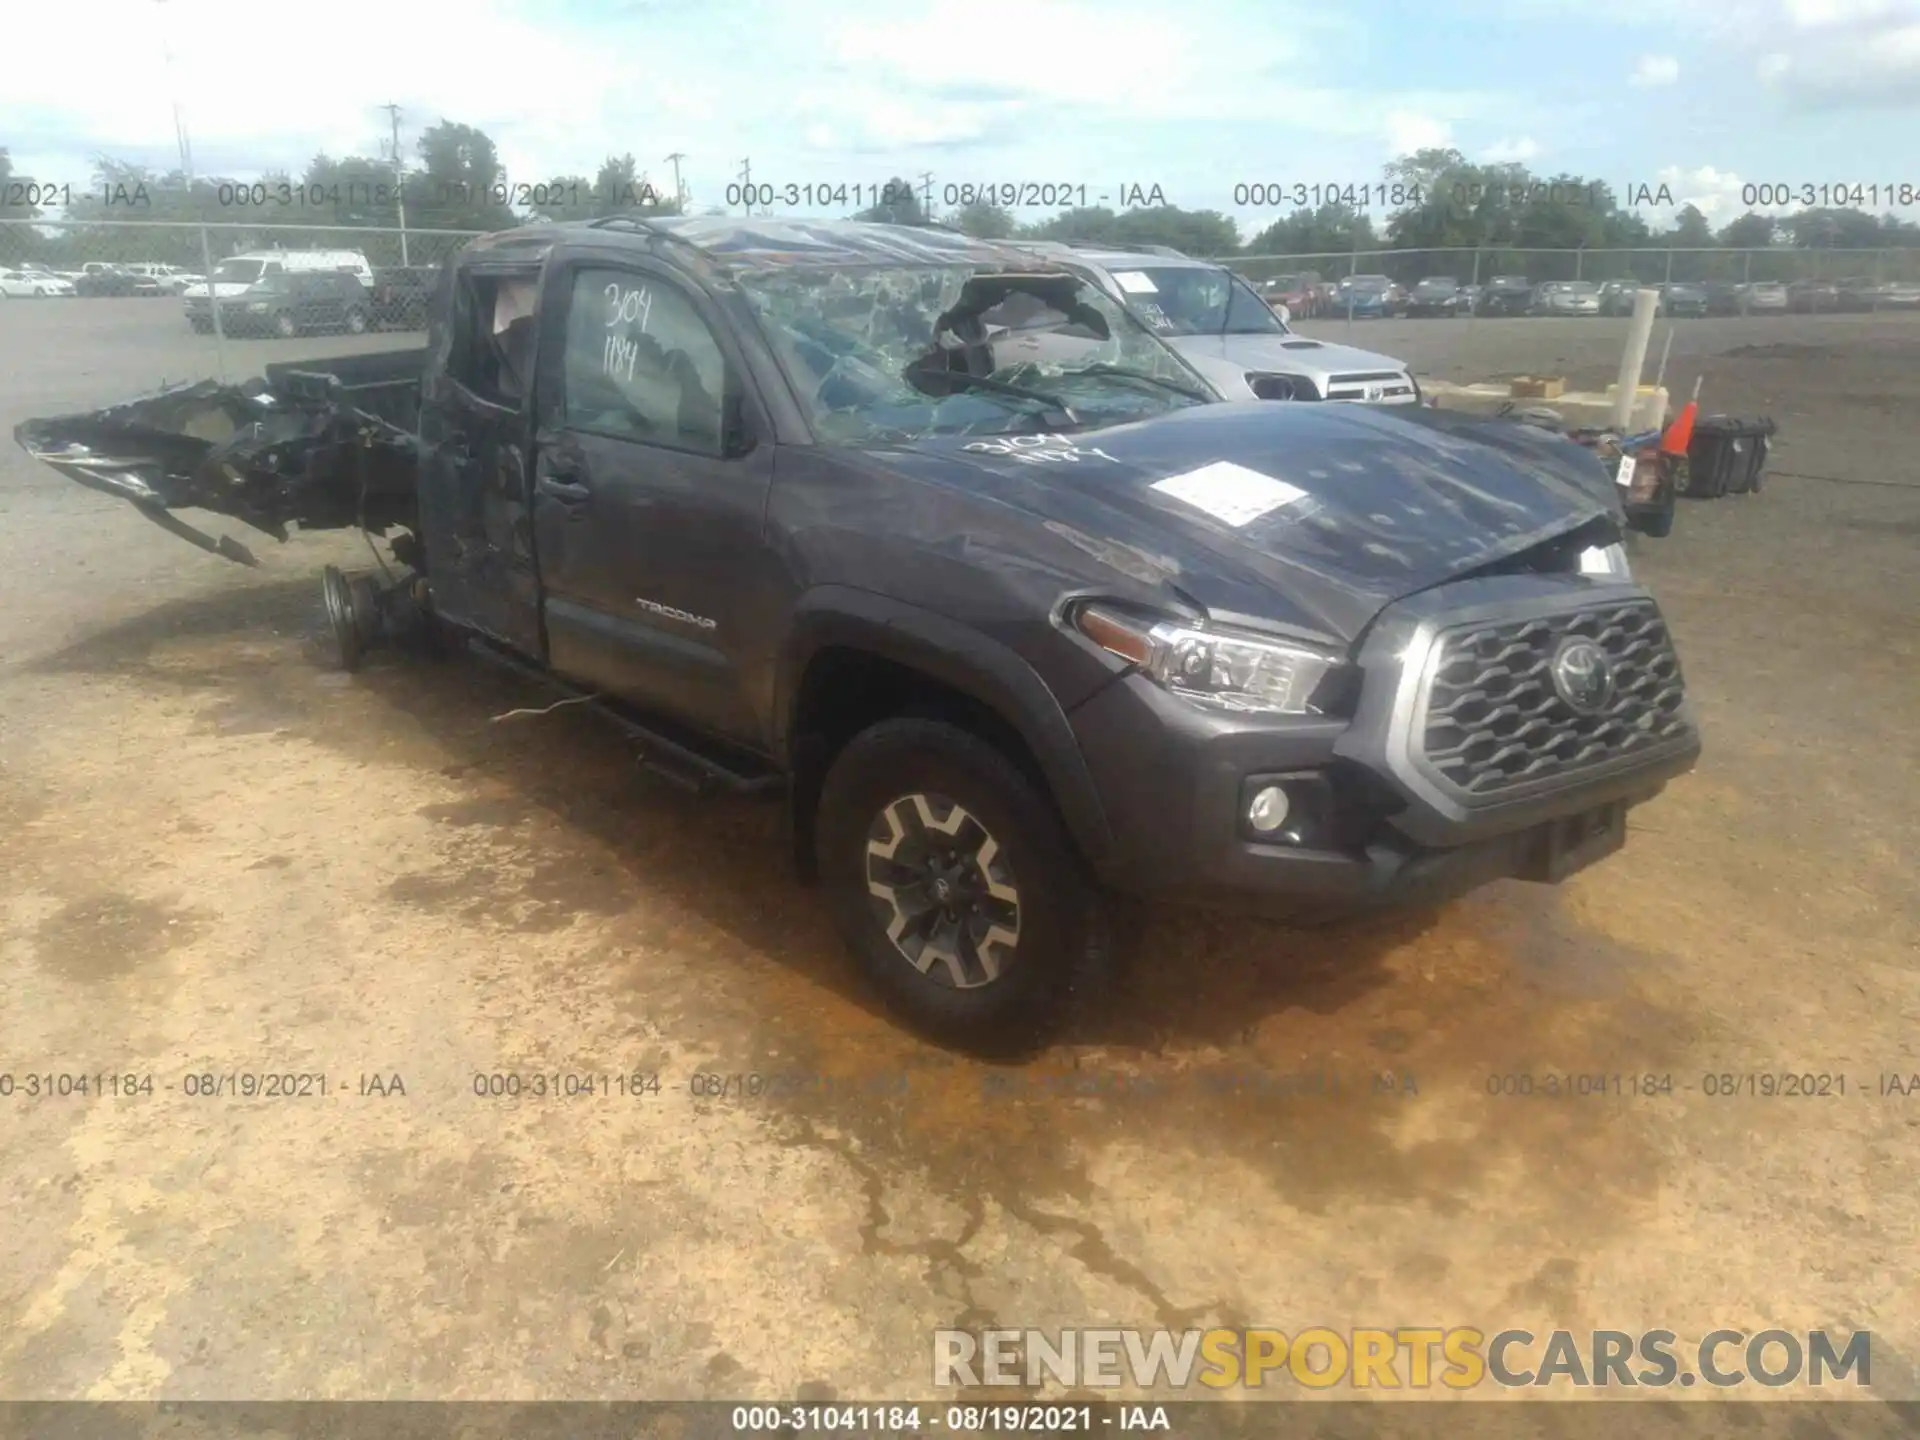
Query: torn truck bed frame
x=325, y=445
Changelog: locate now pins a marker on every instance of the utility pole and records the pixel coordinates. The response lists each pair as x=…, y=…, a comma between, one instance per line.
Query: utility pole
x=679, y=190
x=206, y=245
x=746, y=179
x=926, y=189
x=399, y=179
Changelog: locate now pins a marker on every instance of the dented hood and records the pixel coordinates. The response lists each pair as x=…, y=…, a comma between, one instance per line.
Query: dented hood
x=1311, y=515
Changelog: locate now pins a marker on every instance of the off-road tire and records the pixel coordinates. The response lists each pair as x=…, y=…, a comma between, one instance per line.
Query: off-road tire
x=1060, y=957
x=357, y=321
x=285, y=326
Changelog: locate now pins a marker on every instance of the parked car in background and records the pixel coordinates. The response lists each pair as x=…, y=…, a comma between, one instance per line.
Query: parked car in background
x=1220, y=326
x=1436, y=295
x=1616, y=296
x=1900, y=295
x=401, y=296
x=288, y=305
x=1683, y=297
x=1566, y=297
x=1369, y=297
x=234, y=274
x=1763, y=296
x=32, y=284
x=1300, y=293
x=153, y=279
x=1808, y=296
x=1725, y=297
x=169, y=279
x=1857, y=293
x=1506, y=295
x=101, y=278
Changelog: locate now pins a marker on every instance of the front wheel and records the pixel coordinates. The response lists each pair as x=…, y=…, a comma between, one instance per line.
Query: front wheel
x=956, y=886
x=285, y=326
x=356, y=322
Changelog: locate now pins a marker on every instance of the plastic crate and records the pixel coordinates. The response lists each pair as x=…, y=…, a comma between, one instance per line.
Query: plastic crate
x=1727, y=456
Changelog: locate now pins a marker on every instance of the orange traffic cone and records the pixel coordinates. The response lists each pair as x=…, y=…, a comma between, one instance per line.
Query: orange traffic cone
x=1680, y=434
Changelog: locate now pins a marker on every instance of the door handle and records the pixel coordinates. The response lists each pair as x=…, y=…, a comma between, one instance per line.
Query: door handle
x=565, y=490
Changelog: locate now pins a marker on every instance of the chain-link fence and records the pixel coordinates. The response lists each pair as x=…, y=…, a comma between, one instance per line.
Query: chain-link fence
x=145, y=283
x=156, y=271
x=1716, y=265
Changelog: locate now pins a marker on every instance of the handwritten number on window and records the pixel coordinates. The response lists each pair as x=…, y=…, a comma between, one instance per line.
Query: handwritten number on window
x=624, y=308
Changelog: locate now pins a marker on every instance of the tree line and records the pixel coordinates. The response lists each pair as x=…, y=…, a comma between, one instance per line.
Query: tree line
x=1440, y=200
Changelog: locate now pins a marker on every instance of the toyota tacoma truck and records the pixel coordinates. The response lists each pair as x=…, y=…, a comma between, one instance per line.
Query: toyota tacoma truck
x=1007, y=631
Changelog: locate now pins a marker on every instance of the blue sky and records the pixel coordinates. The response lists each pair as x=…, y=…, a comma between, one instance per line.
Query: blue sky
x=1194, y=97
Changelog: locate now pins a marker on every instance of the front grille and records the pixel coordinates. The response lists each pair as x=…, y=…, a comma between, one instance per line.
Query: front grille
x=1391, y=385
x=1495, y=722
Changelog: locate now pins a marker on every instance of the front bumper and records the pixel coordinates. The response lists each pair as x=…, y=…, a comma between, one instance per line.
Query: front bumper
x=1175, y=781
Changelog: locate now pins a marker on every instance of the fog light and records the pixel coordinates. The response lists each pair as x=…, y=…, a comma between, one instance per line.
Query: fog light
x=1268, y=811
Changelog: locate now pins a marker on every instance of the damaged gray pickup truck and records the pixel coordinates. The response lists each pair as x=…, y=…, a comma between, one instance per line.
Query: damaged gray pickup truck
x=1010, y=627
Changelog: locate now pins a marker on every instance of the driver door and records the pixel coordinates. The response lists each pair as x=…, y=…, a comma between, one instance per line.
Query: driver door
x=650, y=489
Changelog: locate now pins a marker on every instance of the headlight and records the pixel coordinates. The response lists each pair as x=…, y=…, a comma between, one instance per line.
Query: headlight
x=1220, y=669
x=1606, y=560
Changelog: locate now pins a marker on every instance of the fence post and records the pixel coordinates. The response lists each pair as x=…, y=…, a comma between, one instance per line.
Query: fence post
x=1746, y=282
x=1579, y=262
x=1473, y=314
x=1669, y=265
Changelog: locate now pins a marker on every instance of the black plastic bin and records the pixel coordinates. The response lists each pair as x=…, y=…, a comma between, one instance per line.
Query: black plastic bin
x=1726, y=456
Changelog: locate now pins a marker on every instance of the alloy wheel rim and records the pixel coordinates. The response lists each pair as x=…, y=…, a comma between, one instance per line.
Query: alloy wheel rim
x=941, y=887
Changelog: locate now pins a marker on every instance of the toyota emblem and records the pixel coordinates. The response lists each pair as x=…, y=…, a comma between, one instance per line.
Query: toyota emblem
x=1374, y=392
x=1583, y=675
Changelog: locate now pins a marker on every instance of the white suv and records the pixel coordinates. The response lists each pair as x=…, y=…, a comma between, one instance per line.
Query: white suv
x=1229, y=334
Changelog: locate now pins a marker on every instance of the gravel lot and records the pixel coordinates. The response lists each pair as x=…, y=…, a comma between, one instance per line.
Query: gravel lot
x=218, y=857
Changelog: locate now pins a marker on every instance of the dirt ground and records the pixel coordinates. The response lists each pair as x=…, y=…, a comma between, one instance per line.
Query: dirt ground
x=219, y=858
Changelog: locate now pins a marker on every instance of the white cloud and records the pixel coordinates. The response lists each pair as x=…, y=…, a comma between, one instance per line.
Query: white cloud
x=1817, y=14
x=1408, y=131
x=1655, y=70
x=1503, y=152
x=1772, y=67
x=1715, y=193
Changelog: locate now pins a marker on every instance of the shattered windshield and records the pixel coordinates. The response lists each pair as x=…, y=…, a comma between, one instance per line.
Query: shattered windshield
x=890, y=354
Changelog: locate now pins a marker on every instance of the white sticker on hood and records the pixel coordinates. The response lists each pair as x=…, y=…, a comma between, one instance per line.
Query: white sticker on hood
x=1135, y=282
x=1229, y=492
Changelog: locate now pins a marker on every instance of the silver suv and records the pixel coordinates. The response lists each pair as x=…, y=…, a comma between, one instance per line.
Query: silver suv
x=1229, y=334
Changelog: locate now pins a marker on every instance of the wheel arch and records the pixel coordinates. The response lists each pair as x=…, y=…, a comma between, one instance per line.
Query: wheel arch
x=854, y=658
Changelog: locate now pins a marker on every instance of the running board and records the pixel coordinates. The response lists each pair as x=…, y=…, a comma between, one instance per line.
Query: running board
x=695, y=771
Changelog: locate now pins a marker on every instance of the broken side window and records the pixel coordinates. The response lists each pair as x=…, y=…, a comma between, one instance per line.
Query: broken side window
x=494, y=337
